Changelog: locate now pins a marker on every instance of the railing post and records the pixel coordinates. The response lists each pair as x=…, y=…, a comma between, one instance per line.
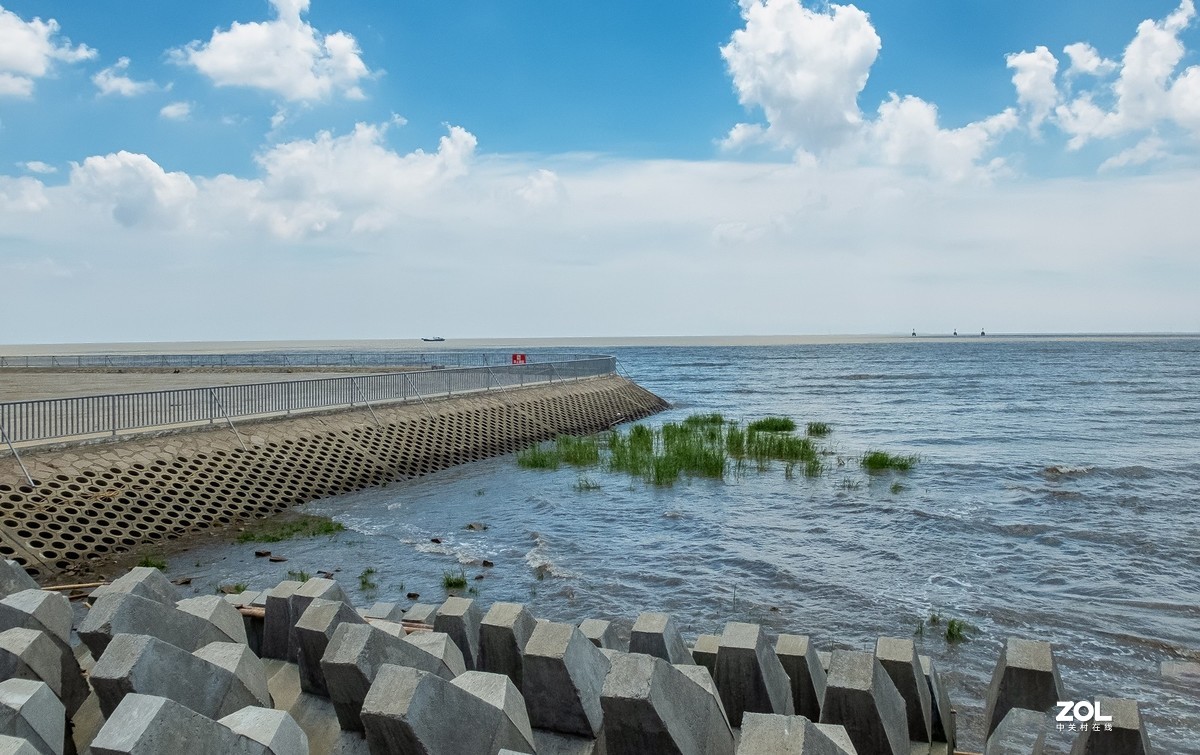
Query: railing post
x=363, y=396
x=217, y=401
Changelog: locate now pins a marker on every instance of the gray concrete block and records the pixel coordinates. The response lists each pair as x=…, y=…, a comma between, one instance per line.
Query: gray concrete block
x=243, y=664
x=14, y=578
x=384, y=612
x=126, y=613
x=143, y=581
x=277, y=622
x=1022, y=732
x=145, y=665
x=446, y=656
x=651, y=707
x=656, y=634
x=30, y=710
x=799, y=659
x=422, y=613
x=601, y=633
x=50, y=613
x=508, y=717
x=700, y=676
x=503, y=634
x=149, y=725
x=1126, y=737
x=554, y=743
x=16, y=746
x=243, y=599
x=898, y=656
x=837, y=733
x=773, y=734
x=704, y=653
x=943, y=718
x=1026, y=676
x=460, y=618
x=563, y=676
x=353, y=657
x=275, y=730
x=218, y=612
x=313, y=630
x=860, y=696
x=307, y=592
x=413, y=711
x=31, y=654
x=749, y=674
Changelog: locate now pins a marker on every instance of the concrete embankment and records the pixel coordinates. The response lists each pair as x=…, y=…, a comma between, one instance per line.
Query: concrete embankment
x=110, y=497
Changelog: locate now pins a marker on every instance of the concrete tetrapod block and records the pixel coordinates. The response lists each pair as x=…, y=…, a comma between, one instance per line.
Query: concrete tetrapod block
x=143, y=581
x=942, y=714
x=601, y=633
x=313, y=589
x=275, y=730
x=1022, y=732
x=652, y=707
x=1026, y=676
x=29, y=710
x=773, y=734
x=50, y=613
x=503, y=634
x=799, y=659
x=860, y=696
x=218, y=612
x=149, y=725
x=442, y=650
x=146, y=665
x=749, y=674
x=352, y=659
x=384, y=612
x=656, y=634
x=126, y=613
x=277, y=621
x=460, y=618
x=700, y=676
x=898, y=656
x=563, y=676
x=14, y=578
x=422, y=613
x=244, y=665
x=508, y=716
x=704, y=653
x=413, y=711
x=16, y=746
x=1127, y=736
x=313, y=630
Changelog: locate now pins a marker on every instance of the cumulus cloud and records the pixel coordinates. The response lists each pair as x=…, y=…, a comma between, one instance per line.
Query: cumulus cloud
x=28, y=51
x=285, y=56
x=1085, y=60
x=907, y=134
x=1147, y=150
x=1033, y=76
x=37, y=166
x=176, y=111
x=135, y=189
x=113, y=80
x=542, y=187
x=22, y=194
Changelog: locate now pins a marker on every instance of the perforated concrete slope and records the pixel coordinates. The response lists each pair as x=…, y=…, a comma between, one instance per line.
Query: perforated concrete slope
x=96, y=499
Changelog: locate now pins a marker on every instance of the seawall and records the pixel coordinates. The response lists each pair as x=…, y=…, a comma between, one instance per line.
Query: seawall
x=111, y=497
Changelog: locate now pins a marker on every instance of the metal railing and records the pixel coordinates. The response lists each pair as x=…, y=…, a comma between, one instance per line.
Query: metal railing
x=288, y=359
x=50, y=419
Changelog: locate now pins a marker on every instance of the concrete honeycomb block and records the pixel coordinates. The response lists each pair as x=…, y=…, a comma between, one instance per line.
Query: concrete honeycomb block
x=1022, y=732
x=656, y=634
x=704, y=653
x=143, y=581
x=898, y=656
x=49, y=613
x=29, y=710
x=275, y=730
x=749, y=674
x=943, y=718
x=503, y=634
x=353, y=657
x=241, y=663
x=1127, y=736
x=563, y=677
x=16, y=746
x=603, y=634
x=446, y=657
x=409, y=710
x=307, y=592
x=460, y=618
x=384, y=612
x=150, y=725
x=313, y=630
x=14, y=578
x=277, y=622
x=860, y=696
x=146, y=665
x=652, y=707
x=799, y=659
x=422, y=613
x=773, y=734
x=126, y=613
x=507, y=715
x=218, y=612
x=1026, y=676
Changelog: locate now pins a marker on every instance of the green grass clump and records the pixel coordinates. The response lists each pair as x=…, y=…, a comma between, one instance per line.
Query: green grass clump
x=818, y=429
x=704, y=419
x=538, y=457
x=813, y=468
x=879, y=461
x=154, y=562
x=299, y=576
x=578, y=452
x=365, y=582
x=956, y=631
x=452, y=581
x=302, y=525
x=735, y=442
x=585, y=484
x=239, y=588
x=772, y=425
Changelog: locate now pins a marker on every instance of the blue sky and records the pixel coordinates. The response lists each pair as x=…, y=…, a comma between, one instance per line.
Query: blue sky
x=290, y=169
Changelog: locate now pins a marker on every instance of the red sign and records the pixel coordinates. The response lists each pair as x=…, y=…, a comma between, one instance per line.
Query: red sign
x=518, y=359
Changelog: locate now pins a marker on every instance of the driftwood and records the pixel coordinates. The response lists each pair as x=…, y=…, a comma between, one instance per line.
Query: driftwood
x=80, y=586
x=256, y=612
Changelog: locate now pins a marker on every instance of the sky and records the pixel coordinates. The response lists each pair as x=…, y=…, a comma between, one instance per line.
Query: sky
x=310, y=169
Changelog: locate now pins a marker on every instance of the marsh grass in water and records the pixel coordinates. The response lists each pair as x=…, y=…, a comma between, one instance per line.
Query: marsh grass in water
x=879, y=461
x=452, y=581
x=300, y=525
x=585, y=484
x=578, y=452
x=538, y=457
x=299, y=575
x=818, y=429
x=365, y=581
x=772, y=425
x=956, y=631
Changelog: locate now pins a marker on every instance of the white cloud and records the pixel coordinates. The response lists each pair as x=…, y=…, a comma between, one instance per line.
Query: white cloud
x=285, y=56
x=37, y=166
x=22, y=194
x=134, y=189
x=28, y=50
x=176, y=111
x=112, y=80
x=1085, y=60
x=542, y=187
x=1147, y=150
x=907, y=134
x=1033, y=77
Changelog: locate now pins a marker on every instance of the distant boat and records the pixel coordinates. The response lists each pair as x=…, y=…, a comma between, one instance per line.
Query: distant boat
x=435, y=339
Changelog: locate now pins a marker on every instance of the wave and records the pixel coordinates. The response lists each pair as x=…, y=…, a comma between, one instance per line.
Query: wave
x=538, y=559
